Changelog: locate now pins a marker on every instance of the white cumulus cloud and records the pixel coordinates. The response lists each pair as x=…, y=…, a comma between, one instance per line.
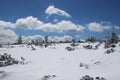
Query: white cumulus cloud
x=52, y=10
x=28, y=23
x=97, y=27
x=69, y=26
x=47, y=27
x=5, y=24
x=7, y=36
x=32, y=23
x=61, y=27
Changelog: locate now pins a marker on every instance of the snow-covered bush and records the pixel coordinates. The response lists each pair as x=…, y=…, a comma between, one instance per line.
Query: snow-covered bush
x=88, y=47
x=2, y=71
x=81, y=64
x=0, y=46
x=97, y=62
x=47, y=77
x=6, y=60
x=74, y=44
x=23, y=61
x=10, y=46
x=97, y=46
x=33, y=48
x=86, y=66
x=100, y=78
x=70, y=48
x=87, y=77
x=109, y=51
x=113, y=45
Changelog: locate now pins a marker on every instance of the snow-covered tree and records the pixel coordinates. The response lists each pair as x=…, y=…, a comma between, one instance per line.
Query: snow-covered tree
x=114, y=38
x=46, y=39
x=19, y=41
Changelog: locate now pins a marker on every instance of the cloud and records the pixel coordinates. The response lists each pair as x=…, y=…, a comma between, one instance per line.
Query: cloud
x=52, y=10
x=28, y=23
x=7, y=33
x=31, y=23
x=62, y=26
x=116, y=27
x=48, y=27
x=7, y=36
x=97, y=27
x=5, y=24
x=69, y=26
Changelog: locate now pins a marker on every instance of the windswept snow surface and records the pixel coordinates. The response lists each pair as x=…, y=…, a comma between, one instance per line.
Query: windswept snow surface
x=55, y=60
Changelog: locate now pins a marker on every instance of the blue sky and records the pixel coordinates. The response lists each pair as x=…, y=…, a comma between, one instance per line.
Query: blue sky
x=78, y=18
x=82, y=10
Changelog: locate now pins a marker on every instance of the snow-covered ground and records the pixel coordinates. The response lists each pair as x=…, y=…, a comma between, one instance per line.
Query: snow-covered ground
x=65, y=65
